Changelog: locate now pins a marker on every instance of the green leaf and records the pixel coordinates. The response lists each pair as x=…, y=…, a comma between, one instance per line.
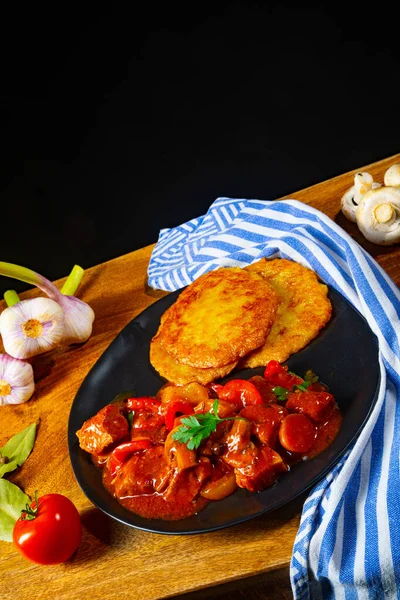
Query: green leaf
x=215, y=408
x=302, y=386
x=8, y=467
x=190, y=421
x=12, y=502
x=191, y=444
x=311, y=377
x=18, y=447
x=281, y=393
x=196, y=428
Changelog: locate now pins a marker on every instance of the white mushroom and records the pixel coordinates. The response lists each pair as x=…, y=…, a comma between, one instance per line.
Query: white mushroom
x=363, y=182
x=392, y=176
x=378, y=215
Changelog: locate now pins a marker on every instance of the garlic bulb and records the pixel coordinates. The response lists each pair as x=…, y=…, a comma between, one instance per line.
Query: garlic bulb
x=378, y=215
x=78, y=316
x=31, y=327
x=16, y=380
x=392, y=176
x=78, y=319
x=363, y=182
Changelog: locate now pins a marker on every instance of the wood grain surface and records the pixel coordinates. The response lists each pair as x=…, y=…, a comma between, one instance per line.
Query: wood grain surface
x=115, y=562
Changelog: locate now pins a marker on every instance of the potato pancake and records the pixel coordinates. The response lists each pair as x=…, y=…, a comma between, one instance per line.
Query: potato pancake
x=304, y=308
x=181, y=374
x=220, y=317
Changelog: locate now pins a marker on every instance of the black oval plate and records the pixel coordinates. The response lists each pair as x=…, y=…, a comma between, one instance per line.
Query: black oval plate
x=344, y=355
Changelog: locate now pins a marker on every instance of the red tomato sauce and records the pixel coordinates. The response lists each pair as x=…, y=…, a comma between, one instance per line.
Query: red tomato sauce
x=152, y=505
x=258, y=432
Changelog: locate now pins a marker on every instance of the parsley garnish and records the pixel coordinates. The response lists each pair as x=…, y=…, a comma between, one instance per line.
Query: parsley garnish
x=311, y=377
x=281, y=393
x=301, y=386
x=196, y=428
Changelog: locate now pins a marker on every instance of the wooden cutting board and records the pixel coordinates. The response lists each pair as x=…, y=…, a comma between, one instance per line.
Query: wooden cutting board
x=114, y=561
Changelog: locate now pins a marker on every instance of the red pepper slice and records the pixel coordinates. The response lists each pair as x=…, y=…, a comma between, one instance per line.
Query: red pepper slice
x=272, y=368
x=144, y=402
x=239, y=392
x=147, y=411
x=122, y=452
x=278, y=375
x=180, y=406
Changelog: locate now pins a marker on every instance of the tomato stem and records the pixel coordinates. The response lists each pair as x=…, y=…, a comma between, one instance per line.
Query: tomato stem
x=29, y=513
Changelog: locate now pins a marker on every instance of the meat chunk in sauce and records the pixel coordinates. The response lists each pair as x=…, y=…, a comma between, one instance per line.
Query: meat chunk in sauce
x=143, y=473
x=316, y=405
x=265, y=422
x=240, y=450
x=147, y=485
x=247, y=447
x=262, y=472
x=106, y=427
x=264, y=387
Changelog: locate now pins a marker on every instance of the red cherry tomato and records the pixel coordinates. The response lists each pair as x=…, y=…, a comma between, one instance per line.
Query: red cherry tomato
x=297, y=433
x=238, y=391
x=51, y=531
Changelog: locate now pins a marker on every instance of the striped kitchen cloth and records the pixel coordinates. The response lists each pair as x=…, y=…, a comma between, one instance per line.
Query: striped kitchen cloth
x=348, y=542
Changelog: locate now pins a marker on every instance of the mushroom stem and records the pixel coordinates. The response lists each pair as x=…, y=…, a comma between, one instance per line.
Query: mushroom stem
x=363, y=182
x=383, y=213
x=378, y=215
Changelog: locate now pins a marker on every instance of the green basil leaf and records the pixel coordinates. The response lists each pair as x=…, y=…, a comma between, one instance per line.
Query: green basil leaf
x=8, y=467
x=12, y=502
x=19, y=446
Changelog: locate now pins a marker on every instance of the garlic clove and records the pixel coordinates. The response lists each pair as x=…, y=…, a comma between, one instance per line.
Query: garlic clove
x=78, y=319
x=392, y=176
x=31, y=327
x=16, y=380
x=378, y=215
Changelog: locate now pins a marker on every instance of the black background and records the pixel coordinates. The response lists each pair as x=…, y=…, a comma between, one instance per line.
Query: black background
x=119, y=123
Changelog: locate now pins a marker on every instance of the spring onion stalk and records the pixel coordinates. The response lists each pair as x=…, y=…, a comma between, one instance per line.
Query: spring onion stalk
x=11, y=297
x=78, y=316
x=73, y=280
x=16, y=380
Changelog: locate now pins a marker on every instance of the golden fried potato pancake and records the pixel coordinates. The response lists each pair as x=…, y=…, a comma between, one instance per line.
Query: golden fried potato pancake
x=304, y=309
x=219, y=318
x=181, y=374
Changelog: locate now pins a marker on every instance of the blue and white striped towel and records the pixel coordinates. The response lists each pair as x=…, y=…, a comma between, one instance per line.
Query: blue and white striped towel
x=348, y=543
